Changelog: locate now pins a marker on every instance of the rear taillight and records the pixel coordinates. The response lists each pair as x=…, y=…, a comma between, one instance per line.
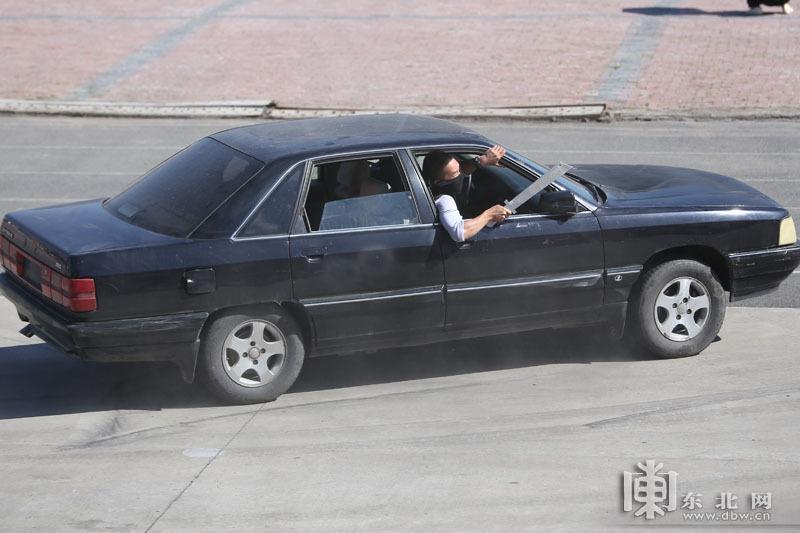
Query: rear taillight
x=5, y=253
x=75, y=293
x=10, y=256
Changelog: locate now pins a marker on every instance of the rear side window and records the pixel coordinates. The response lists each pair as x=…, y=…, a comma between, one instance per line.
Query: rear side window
x=358, y=193
x=176, y=196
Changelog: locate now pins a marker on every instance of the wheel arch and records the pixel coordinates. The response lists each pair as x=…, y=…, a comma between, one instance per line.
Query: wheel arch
x=702, y=254
x=706, y=255
x=293, y=309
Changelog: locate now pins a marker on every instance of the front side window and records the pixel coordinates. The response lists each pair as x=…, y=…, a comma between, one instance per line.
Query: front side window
x=176, y=196
x=493, y=185
x=358, y=193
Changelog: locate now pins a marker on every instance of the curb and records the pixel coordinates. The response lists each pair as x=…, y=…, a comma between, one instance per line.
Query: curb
x=135, y=109
x=587, y=111
x=269, y=110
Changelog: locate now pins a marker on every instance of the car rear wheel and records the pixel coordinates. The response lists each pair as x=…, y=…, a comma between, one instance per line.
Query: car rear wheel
x=251, y=358
x=678, y=309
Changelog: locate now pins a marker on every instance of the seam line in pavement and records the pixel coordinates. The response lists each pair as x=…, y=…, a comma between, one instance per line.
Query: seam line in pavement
x=138, y=60
x=632, y=56
x=210, y=461
x=509, y=17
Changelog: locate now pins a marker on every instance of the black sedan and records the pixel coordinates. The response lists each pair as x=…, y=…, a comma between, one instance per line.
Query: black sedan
x=257, y=247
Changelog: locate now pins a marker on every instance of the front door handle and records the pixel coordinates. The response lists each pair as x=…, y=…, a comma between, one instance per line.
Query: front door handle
x=464, y=245
x=313, y=255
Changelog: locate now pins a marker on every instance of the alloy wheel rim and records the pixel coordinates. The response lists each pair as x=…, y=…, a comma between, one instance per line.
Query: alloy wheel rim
x=254, y=353
x=682, y=308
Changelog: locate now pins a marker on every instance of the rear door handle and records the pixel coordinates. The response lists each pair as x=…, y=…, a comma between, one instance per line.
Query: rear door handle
x=464, y=245
x=313, y=255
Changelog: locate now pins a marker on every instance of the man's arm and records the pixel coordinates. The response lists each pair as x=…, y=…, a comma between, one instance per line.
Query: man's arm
x=491, y=157
x=472, y=226
x=459, y=229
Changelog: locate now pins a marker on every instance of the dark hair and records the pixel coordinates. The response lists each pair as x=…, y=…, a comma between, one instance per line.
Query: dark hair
x=433, y=165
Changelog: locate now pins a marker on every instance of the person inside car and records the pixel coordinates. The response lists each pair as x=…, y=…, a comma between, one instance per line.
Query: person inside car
x=450, y=182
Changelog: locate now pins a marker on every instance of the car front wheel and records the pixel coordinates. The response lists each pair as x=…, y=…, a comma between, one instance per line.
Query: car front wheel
x=251, y=358
x=678, y=309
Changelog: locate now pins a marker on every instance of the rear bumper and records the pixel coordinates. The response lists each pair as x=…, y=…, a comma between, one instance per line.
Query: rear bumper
x=760, y=271
x=160, y=338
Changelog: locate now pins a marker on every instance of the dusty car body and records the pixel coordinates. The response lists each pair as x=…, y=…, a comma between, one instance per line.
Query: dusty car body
x=270, y=243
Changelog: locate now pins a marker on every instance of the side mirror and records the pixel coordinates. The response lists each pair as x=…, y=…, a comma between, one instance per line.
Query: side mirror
x=558, y=202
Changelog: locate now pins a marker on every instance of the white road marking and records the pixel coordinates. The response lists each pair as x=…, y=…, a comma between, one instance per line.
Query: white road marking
x=66, y=173
x=48, y=200
x=84, y=147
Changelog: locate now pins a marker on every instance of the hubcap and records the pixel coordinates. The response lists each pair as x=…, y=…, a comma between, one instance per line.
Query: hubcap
x=254, y=353
x=682, y=309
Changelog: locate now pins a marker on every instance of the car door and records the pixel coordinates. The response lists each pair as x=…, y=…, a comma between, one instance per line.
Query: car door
x=365, y=264
x=533, y=265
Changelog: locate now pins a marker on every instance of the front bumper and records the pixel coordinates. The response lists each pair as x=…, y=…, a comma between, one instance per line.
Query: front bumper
x=761, y=271
x=161, y=338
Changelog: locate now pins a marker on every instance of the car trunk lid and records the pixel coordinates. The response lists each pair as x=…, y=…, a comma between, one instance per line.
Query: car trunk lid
x=39, y=246
x=75, y=229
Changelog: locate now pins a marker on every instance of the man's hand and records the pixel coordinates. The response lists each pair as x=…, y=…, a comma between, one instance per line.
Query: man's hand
x=497, y=213
x=492, y=156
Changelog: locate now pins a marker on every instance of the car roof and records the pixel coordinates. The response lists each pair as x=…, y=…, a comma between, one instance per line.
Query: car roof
x=301, y=139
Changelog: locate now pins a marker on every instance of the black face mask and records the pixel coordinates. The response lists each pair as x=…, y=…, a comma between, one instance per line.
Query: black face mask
x=456, y=187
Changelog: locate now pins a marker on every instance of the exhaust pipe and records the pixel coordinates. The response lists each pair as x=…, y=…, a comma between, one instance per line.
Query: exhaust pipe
x=28, y=331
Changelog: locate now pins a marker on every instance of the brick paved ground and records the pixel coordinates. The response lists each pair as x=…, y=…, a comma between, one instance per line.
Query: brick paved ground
x=664, y=55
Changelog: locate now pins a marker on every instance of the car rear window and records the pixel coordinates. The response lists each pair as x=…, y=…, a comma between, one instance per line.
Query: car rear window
x=176, y=196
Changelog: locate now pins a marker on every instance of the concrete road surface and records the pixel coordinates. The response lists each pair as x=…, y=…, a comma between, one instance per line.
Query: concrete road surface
x=504, y=434
x=507, y=433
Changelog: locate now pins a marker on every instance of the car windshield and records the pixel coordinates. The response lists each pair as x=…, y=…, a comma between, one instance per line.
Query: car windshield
x=176, y=196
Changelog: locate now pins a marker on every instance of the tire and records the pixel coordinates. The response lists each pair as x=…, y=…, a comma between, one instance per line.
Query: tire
x=669, y=315
x=251, y=358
